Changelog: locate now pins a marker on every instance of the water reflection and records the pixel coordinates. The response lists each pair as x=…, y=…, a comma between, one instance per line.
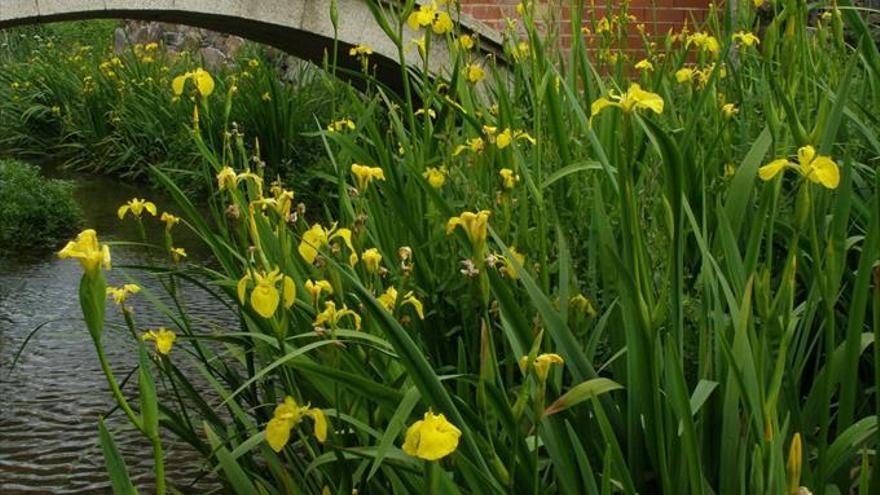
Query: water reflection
x=50, y=401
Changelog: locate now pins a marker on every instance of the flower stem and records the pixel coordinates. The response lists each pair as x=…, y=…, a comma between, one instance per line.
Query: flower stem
x=114, y=385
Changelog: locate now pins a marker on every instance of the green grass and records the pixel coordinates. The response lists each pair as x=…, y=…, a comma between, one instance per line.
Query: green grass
x=708, y=320
x=36, y=214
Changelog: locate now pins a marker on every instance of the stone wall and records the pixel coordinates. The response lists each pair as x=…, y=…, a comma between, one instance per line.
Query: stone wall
x=214, y=48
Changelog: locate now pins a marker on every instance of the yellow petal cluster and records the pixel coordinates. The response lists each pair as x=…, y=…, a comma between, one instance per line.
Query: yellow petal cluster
x=542, y=364
x=364, y=175
x=475, y=145
x=317, y=238
x=316, y=287
x=287, y=415
x=177, y=253
x=372, y=259
x=508, y=178
x=507, y=267
x=120, y=294
x=331, y=316
x=136, y=207
x=163, y=339
x=635, y=98
x=90, y=253
x=430, y=15
x=202, y=79
x=817, y=168
x=388, y=300
x=341, y=125
x=169, y=220
x=645, y=65
x=265, y=296
x=436, y=176
x=475, y=225
x=704, y=41
x=746, y=38
x=432, y=437
x=474, y=73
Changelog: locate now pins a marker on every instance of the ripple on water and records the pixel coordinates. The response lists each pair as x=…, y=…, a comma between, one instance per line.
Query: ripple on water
x=51, y=400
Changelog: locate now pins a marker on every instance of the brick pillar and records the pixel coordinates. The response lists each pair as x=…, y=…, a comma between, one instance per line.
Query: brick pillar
x=657, y=15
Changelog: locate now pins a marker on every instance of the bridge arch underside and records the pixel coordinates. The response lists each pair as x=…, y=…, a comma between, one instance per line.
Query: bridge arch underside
x=302, y=43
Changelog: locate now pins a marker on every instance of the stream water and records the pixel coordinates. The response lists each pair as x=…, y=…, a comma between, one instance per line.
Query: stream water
x=51, y=399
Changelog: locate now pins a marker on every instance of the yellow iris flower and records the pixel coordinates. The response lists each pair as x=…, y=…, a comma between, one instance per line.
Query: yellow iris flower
x=507, y=267
x=728, y=110
x=389, y=299
x=317, y=237
x=331, y=316
x=265, y=296
x=228, y=179
x=436, y=176
x=90, y=253
x=364, y=175
x=163, y=339
x=685, y=74
x=169, y=220
x=372, y=259
x=432, y=437
x=360, y=51
x=430, y=15
x=542, y=364
x=635, y=98
x=466, y=41
x=644, y=64
x=315, y=288
x=474, y=144
x=475, y=225
x=581, y=303
x=474, y=73
x=508, y=178
x=177, y=253
x=817, y=168
x=136, y=207
x=341, y=125
x=746, y=38
x=289, y=414
x=506, y=137
x=120, y=294
x=704, y=41
x=202, y=79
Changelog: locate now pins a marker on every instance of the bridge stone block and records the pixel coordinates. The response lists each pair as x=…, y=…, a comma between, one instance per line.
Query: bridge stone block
x=60, y=7
x=230, y=8
x=139, y=4
x=11, y=9
x=282, y=12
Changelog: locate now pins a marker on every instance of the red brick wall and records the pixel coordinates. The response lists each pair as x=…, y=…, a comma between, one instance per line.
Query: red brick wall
x=657, y=15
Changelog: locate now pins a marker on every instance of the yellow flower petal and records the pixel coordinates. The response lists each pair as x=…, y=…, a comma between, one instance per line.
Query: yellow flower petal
x=320, y=423
x=264, y=300
x=177, y=85
x=805, y=155
x=278, y=433
x=601, y=104
x=241, y=287
x=770, y=170
x=289, y=292
x=824, y=171
x=431, y=438
x=204, y=82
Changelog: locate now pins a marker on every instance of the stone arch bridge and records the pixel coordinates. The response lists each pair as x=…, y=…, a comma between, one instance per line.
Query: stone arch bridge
x=299, y=27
